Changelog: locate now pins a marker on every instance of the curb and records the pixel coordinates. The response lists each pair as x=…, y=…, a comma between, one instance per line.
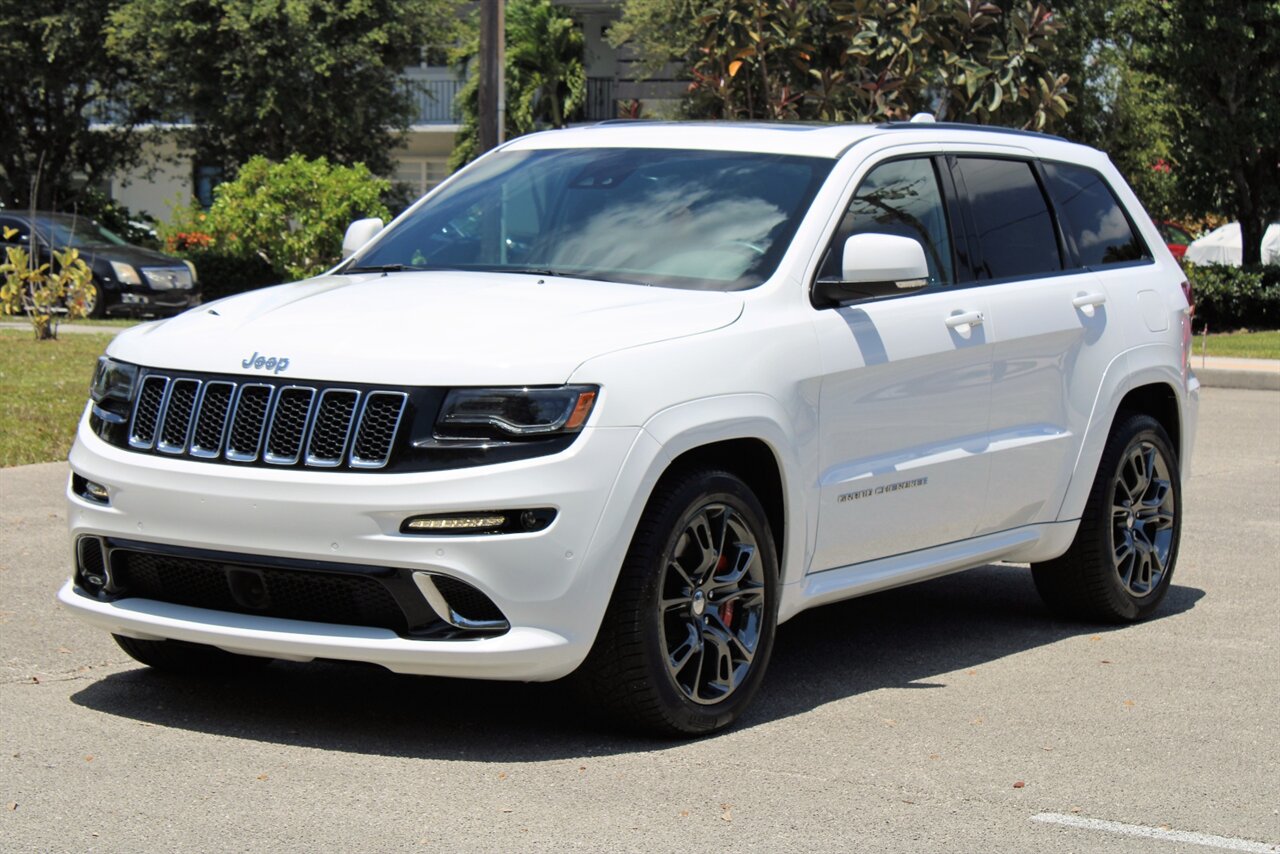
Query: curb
x=1226, y=378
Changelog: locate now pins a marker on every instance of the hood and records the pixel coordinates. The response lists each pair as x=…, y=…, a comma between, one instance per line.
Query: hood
x=429, y=328
x=137, y=256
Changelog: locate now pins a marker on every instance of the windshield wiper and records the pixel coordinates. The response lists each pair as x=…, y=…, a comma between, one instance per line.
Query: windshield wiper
x=525, y=271
x=387, y=268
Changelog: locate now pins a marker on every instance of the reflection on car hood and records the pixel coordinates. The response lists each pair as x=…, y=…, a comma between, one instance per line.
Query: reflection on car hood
x=429, y=328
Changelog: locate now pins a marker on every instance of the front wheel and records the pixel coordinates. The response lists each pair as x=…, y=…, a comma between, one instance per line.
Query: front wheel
x=95, y=301
x=1121, y=562
x=688, y=634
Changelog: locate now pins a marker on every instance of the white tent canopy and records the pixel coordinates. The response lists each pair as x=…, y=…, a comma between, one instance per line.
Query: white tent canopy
x=1222, y=246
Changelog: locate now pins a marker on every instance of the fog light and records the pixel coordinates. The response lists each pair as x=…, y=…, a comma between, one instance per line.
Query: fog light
x=480, y=522
x=90, y=490
x=456, y=523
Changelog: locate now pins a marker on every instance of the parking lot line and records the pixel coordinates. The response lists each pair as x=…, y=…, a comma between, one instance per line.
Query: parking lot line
x=1226, y=843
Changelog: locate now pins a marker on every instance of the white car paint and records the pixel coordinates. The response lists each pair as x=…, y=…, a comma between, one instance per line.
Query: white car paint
x=908, y=446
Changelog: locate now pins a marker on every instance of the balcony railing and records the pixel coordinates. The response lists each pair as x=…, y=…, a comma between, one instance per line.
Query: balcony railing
x=433, y=101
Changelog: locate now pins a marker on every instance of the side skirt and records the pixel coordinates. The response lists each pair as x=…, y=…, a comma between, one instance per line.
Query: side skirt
x=1026, y=544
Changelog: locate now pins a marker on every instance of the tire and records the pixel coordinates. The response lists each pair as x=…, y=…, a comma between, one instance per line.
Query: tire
x=174, y=656
x=95, y=302
x=1121, y=562
x=688, y=633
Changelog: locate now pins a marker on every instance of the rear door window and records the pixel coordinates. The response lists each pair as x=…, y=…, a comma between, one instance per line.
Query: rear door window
x=1010, y=218
x=1092, y=217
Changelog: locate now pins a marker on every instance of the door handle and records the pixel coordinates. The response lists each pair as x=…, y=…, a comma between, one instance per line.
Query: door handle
x=967, y=318
x=1089, y=300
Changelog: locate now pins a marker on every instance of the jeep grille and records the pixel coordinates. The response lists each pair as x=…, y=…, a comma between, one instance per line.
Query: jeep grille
x=277, y=424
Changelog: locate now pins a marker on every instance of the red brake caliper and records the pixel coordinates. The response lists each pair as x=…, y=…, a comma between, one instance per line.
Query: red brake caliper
x=726, y=610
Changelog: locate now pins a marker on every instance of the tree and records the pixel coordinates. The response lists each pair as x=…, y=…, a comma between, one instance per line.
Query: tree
x=57, y=79
x=855, y=60
x=1221, y=60
x=263, y=77
x=546, y=80
x=292, y=215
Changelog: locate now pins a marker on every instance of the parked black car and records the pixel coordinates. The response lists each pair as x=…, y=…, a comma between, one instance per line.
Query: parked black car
x=128, y=279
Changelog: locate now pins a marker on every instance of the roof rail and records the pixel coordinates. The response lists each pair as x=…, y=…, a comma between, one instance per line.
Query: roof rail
x=968, y=126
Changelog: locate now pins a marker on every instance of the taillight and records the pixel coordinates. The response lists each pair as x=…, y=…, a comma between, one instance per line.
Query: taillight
x=1187, y=323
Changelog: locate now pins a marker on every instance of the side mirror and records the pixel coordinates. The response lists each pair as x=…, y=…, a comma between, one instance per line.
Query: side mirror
x=875, y=265
x=358, y=234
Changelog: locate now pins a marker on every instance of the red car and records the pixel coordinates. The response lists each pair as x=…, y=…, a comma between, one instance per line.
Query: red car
x=1175, y=237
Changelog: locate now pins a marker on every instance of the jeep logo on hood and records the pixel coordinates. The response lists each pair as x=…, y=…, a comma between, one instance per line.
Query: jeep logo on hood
x=275, y=364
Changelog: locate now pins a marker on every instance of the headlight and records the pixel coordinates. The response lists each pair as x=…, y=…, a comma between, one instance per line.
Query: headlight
x=112, y=381
x=505, y=414
x=192, y=267
x=126, y=273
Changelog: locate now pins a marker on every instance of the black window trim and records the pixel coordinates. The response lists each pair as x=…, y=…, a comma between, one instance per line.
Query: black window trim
x=976, y=244
x=1147, y=256
x=957, y=206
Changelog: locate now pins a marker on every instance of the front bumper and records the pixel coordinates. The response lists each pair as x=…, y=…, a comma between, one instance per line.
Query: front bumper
x=552, y=585
x=142, y=301
x=524, y=653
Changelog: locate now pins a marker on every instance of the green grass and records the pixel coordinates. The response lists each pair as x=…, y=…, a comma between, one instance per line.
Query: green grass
x=114, y=322
x=1247, y=345
x=43, y=389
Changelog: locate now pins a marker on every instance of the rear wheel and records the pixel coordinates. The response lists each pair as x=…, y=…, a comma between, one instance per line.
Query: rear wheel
x=1121, y=562
x=688, y=634
x=180, y=657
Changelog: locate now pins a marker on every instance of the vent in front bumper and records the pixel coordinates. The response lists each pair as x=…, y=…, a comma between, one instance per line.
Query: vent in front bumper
x=313, y=591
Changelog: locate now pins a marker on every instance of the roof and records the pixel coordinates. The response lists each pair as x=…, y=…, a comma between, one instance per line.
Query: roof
x=812, y=140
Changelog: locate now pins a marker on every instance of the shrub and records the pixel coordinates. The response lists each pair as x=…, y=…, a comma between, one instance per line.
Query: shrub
x=222, y=275
x=1235, y=297
x=291, y=215
x=44, y=292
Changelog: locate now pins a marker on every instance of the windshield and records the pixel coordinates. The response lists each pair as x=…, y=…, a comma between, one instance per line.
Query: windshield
x=76, y=232
x=690, y=219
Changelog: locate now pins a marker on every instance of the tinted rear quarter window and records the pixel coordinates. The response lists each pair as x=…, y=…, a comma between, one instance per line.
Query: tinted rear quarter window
x=1092, y=217
x=1011, y=218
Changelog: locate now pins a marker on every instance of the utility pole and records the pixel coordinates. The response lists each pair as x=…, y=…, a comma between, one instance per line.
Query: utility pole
x=492, y=83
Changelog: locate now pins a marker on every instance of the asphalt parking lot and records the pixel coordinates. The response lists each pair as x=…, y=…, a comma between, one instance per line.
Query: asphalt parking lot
x=950, y=716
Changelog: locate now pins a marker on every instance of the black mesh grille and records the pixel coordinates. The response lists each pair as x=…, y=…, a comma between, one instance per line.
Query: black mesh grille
x=177, y=416
x=143, y=432
x=89, y=554
x=467, y=600
x=206, y=441
x=323, y=597
x=332, y=427
x=289, y=425
x=377, y=429
x=250, y=420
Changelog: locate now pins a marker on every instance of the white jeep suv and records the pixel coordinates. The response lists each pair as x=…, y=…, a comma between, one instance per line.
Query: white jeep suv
x=617, y=401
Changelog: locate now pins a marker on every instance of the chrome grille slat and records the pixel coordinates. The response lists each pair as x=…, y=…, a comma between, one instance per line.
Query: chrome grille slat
x=216, y=418
x=248, y=422
x=335, y=415
x=376, y=431
x=290, y=418
x=211, y=419
x=146, y=412
x=176, y=411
